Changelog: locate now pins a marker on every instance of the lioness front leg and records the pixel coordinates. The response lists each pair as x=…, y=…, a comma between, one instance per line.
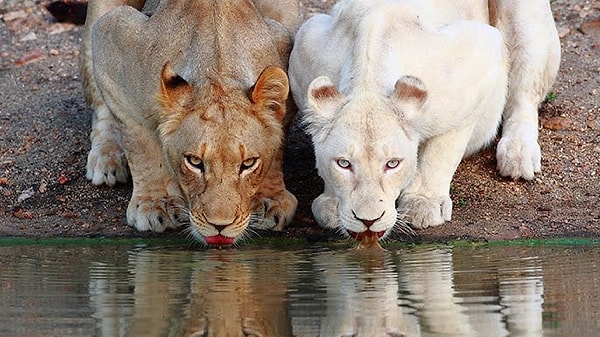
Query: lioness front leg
x=426, y=201
x=106, y=162
x=276, y=204
x=156, y=201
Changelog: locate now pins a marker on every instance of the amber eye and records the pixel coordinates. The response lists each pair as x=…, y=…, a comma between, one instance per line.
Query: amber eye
x=195, y=162
x=248, y=164
x=344, y=163
x=392, y=163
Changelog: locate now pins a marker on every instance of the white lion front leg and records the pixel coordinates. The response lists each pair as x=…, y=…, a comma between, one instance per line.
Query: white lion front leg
x=518, y=153
x=427, y=202
x=156, y=201
x=325, y=211
x=426, y=211
x=534, y=51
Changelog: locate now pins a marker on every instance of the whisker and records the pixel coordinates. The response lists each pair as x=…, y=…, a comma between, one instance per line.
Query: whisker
x=401, y=226
x=245, y=236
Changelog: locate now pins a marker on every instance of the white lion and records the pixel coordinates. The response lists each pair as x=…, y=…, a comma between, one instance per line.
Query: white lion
x=394, y=93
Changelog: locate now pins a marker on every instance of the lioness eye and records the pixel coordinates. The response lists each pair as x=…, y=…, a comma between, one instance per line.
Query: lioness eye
x=392, y=163
x=343, y=163
x=248, y=164
x=195, y=162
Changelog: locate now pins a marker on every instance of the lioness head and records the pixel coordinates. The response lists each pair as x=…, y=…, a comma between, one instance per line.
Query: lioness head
x=219, y=141
x=366, y=153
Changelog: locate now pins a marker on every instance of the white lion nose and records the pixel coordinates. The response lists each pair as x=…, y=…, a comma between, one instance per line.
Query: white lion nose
x=368, y=222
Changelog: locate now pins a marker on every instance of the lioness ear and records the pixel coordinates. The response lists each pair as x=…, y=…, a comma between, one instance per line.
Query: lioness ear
x=324, y=100
x=410, y=95
x=175, y=91
x=271, y=91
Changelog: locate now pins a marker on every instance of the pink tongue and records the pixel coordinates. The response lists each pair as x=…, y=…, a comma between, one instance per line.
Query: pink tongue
x=218, y=240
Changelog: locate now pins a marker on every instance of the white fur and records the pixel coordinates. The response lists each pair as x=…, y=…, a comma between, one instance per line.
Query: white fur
x=386, y=80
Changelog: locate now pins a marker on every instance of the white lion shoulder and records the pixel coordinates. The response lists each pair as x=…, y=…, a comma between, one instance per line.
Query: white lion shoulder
x=395, y=93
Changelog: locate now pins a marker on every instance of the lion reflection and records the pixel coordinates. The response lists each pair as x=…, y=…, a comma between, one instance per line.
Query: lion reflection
x=412, y=293
x=216, y=293
x=416, y=294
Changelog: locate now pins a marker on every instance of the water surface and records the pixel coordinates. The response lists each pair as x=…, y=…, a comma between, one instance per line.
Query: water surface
x=174, y=290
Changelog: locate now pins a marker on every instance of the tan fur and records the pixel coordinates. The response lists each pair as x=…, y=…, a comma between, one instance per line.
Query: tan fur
x=197, y=97
x=226, y=295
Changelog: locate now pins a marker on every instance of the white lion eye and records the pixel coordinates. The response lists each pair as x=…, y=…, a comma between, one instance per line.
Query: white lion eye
x=392, y=163
x=343, y=163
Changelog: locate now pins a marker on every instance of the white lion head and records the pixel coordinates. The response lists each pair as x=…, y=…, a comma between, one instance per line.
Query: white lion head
x=366, y=153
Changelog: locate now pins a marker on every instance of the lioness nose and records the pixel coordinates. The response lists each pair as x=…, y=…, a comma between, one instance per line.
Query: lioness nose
x=220, y=228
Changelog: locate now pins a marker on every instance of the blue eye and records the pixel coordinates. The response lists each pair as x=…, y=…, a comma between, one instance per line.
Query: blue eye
x=343, y=163
x=392, y=163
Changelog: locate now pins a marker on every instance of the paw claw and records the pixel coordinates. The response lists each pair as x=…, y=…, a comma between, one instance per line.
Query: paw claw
x=276, y=212
x=423, y=212
x=106, y=165
x=518, y=158
x=156, y=215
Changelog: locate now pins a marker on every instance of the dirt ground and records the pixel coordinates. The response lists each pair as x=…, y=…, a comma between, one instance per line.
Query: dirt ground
x=44, y=127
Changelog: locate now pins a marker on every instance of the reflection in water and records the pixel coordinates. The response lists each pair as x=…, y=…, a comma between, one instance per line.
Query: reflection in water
x=128, y=291
x=359, y=297
x=499, y=300
x=400, y=294
x=213, y=293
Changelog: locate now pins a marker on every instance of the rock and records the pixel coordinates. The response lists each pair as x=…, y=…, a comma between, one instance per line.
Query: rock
x=11, y=16
x=557, y=123
x=29, y=57
x=591, y=27
x=26, y=194
x=73, y=11
x=563, y=31
x=29, y=37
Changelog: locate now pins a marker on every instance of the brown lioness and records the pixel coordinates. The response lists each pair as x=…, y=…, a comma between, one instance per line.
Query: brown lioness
x=194, y=99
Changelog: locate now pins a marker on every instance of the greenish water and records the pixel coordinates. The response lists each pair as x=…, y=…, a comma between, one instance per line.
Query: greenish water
x=136, y=288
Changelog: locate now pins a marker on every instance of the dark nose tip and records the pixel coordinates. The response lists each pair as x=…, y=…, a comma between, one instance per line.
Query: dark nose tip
x=368, y=222
x=220, y=228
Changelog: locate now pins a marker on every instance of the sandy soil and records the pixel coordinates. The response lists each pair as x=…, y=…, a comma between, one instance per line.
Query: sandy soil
x=44, y=126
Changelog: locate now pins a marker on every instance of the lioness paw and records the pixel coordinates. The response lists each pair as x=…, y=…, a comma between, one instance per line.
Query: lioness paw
x=518, y=157
x=150, y=214
x=423, y=212
x=106, y=164
x=277, y=211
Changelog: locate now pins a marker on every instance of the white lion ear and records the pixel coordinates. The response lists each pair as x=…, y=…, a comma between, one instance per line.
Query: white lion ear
x=324, y=100
x=409, y=94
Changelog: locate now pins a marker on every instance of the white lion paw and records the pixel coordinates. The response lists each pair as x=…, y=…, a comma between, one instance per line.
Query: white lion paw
x=518, y=157
x=151, y=214
x=423, y=212
x=106, y=164
x=325, y=211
